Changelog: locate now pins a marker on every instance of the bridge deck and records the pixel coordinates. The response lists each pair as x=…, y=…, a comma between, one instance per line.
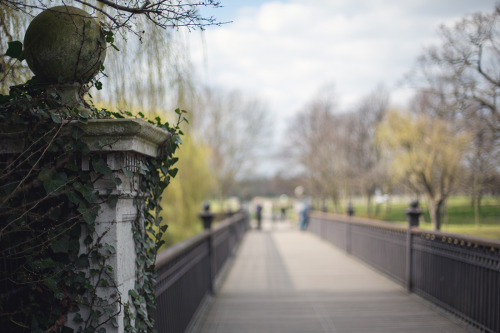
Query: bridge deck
x=285, y=280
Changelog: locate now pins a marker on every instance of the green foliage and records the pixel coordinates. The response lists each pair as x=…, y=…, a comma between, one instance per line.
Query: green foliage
x=183, y=199
x=427, y=154
x=48, y=202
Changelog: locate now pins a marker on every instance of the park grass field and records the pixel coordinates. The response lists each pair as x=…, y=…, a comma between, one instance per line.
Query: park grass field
x=459, y=217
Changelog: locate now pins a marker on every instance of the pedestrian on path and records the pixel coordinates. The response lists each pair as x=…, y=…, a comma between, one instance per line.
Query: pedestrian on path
x=259, y=216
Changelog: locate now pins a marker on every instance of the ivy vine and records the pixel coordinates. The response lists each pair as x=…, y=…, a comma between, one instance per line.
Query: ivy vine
x=148, y=229
x=48, y=202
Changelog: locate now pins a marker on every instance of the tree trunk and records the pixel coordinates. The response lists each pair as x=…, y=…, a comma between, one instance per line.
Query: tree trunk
x=476, y=211
x=435, y=211
x=368, y=203
x=475, y=198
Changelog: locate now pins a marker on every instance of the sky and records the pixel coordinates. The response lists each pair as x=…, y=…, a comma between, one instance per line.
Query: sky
x=284, y=52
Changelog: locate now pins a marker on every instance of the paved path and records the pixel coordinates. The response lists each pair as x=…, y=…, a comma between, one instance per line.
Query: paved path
x=284, y=280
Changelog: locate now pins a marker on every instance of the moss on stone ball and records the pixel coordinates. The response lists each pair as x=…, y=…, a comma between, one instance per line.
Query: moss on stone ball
x=64, y=44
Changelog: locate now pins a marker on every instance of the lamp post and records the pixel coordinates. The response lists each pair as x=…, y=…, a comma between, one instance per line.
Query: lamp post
x=206, y=216
x=413, y=214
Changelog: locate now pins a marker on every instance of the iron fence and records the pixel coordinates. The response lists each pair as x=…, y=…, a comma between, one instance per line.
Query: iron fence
x=459, y=273
x=186, y=272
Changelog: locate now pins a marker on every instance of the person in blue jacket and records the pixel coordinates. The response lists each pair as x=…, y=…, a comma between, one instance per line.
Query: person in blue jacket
x=304, y=216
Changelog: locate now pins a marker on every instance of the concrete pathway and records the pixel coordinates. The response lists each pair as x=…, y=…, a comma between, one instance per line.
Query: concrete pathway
x=285, y=280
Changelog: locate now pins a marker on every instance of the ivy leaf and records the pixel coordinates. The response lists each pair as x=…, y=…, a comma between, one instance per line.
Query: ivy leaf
x=55, y=117
x=83, y=119
x=113, y=200
x=110, y=248
x=139, y=323
x=127, y=173
x=42, y=264
x=162, y=185
x=117, y=181
x=100, y=166
x=15, y=50
x=78, y=318
x=71, y=166
x=89, y=215
x=82, y=261
x=55, y=182
x=44, y=174
x=51, y=283
x=86, y=190
x=160, y=243
x=177, y=139
x=173, y=172
x=133, y=293
x=60, y=245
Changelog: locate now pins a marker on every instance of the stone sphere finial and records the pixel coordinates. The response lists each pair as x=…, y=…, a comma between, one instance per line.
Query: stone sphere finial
x=64, y=44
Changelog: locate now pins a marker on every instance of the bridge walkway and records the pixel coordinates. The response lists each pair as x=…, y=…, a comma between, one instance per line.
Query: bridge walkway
x=286, y=280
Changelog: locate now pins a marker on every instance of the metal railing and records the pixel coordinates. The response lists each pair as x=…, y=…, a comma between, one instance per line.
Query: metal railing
x=459, y=273
x=186, y=272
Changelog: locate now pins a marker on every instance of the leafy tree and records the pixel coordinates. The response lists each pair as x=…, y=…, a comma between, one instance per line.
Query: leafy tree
x=183, y=198
x=427, y=153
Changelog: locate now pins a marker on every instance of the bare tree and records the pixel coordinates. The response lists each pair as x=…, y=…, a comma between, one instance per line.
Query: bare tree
x=234, y=126
x=315, y=142
x=366, y=166
x=459, y=81
x=122, y=14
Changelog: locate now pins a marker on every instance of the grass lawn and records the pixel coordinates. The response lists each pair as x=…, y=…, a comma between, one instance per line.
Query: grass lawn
x=486, y=231
x=459, y=216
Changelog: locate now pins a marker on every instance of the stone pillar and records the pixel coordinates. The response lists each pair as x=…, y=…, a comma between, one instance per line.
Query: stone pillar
x=131, y=141
x=65, y=47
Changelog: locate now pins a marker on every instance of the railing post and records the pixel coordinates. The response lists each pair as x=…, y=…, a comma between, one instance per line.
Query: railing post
x=413, y=214
x=207, y=218
x=348, y=245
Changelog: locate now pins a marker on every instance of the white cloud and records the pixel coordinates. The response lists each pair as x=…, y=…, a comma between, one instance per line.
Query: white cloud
x=285, y=51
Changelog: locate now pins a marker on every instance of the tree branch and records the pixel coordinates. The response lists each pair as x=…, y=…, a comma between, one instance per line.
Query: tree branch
x=480, y=69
